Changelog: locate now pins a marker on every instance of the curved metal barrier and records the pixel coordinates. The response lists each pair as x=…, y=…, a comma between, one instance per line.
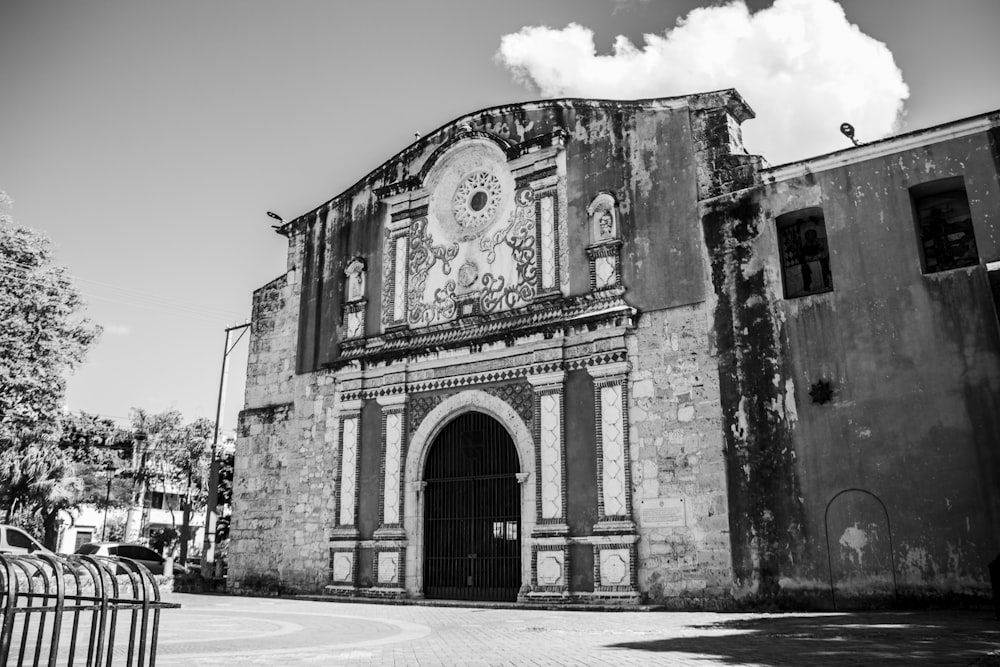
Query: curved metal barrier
x=49, y=603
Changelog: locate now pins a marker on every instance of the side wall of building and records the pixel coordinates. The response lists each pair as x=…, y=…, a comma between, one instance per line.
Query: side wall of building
x=285, y=461
x=894, y=483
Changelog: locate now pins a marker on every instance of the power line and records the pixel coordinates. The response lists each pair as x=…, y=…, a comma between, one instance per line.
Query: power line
x=203, y=313
x=145, y=296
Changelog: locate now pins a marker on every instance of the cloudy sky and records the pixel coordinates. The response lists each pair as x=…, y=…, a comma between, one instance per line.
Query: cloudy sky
x=148, y=139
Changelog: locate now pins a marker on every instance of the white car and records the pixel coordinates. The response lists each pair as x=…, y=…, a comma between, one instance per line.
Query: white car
x=16, y=541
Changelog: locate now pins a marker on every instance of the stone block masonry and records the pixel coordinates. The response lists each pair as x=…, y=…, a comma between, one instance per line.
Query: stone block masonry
x=284, y=491
x=678, y=468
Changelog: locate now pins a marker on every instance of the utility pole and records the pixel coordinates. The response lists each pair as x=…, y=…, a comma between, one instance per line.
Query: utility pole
x=138, y=479
x=208, y=545
x=186, y=514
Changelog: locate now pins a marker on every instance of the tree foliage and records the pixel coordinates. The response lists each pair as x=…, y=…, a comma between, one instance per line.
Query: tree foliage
x=173, y=457
x=101, y=452
x=43, y=336
x=227, y=464
x=174, y=454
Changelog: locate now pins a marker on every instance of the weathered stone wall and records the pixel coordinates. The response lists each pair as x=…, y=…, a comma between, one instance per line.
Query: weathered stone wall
x=677, y=459
x=285, y=453
x=758, y=401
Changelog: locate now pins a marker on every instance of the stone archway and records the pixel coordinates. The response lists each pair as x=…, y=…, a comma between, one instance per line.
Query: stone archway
x=426, y=432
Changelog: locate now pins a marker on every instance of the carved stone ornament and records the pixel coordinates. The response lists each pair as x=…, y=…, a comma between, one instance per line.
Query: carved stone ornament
x=468, y=273
x=477, y=199
x=614, y=567
x=471, y=189
x=603, y=216
x=355, y=278
x=550, y=569
x=343, y=567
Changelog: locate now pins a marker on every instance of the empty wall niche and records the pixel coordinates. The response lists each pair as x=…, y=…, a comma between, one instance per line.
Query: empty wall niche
x=804, y=252
x=944, y=225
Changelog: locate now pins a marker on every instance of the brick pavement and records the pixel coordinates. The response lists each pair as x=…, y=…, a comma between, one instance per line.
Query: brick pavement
x=216, y=630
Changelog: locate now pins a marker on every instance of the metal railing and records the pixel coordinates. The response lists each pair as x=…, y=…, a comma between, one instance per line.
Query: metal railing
x=55, y=608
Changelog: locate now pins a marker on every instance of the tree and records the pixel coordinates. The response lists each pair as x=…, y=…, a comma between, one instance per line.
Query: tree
x=101, y=453
x=174, y=456
x=227, y=465
x=43, y=336
x=44, y=477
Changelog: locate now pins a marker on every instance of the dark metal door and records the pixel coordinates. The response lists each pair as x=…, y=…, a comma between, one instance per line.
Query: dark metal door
x=472, y=512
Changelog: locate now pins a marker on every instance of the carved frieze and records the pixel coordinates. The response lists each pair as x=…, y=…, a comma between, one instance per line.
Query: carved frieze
x=485, y=245
x=517, y=395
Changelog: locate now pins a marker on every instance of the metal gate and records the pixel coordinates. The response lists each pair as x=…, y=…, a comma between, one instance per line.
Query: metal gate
x=472, y=512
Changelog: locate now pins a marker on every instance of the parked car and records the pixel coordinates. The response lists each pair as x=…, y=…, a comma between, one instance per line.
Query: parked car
x=15, y=541
x=140, y=554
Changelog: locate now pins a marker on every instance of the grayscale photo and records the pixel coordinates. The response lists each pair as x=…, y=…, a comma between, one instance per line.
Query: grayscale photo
x=536, y=332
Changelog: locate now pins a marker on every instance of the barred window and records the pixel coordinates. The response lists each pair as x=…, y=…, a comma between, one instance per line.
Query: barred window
x=805, y=255
x=944, y=224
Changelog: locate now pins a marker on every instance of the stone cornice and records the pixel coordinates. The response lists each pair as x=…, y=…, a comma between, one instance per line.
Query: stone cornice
x=548, y=317
x=543, y=374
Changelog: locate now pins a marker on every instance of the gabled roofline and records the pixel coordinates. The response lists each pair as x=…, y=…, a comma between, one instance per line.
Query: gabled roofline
x=730, y=98
x=882, y=147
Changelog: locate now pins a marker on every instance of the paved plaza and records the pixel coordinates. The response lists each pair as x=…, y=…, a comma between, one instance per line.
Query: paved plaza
x=221, y=630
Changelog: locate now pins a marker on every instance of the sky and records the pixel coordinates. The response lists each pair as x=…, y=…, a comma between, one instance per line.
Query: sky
x=148, y=140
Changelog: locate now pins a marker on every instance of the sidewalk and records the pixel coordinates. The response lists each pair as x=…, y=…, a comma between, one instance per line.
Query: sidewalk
x=219, y=630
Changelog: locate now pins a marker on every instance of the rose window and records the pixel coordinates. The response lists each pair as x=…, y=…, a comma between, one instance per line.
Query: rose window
x=477, y=200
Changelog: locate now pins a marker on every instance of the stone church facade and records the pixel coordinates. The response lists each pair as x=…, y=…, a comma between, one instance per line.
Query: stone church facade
x=582, y=350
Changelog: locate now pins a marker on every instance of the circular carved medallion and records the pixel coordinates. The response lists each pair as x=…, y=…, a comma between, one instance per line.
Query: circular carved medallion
x=477, y=199
x=468, y=273
x=471, y=190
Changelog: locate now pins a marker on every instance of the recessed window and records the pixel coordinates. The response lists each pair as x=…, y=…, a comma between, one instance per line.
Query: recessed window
x=947, y=240
x=83, y=537
x=805, y=256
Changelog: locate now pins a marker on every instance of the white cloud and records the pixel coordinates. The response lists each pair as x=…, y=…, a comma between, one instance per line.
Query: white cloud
x=799, y=63
x=116, y=329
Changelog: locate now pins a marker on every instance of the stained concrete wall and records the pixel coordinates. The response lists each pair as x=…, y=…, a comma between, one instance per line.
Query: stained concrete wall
x=914, y=362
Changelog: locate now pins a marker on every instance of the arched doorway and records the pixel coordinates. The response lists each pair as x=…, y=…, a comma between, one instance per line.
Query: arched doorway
x=472, y=512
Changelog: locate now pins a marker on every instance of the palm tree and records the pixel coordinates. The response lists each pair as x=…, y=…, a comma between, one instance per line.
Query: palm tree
x=37, y=478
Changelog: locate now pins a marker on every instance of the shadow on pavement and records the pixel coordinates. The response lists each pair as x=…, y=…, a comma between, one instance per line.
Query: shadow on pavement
x=887, y=638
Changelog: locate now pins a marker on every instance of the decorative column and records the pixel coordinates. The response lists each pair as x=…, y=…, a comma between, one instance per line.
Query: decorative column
x=615, y=544
x=547, y=216
x=344, y=536
x=550, y=546
x=390, y=537
x=395, y=254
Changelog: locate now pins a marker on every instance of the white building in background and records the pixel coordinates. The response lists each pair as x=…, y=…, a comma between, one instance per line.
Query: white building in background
x=161, y=510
